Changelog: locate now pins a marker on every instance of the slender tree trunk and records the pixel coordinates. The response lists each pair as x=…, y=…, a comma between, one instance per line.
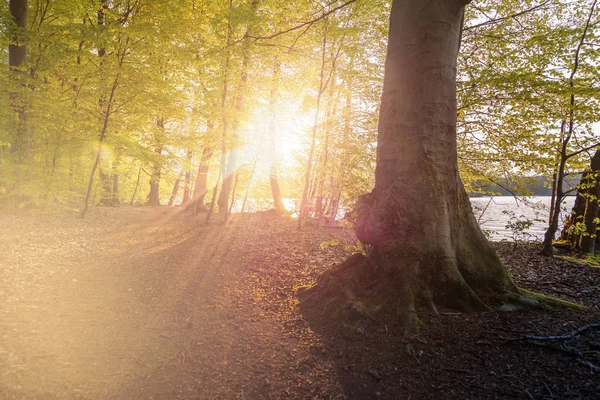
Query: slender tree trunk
x=188, y=179
x=331, y=113
x=249, y=184
x=154, y=195
x=116, y=198
x=105, y=179
x=237, y=176
x=103, y=131
x=547, y=248
x=304, y=208
x=273, y=132
x=335, y=206
x=231, y=163
x=17, y=56
x=137, y=184
x=201, y=187
x=276, y=191
x=176, y=188
x=425, y=243
x=225, y=123
x=107, y=106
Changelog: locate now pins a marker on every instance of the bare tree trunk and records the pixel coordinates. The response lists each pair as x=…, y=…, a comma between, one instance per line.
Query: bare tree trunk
x=425, y=243
x=276, y=191
x=188, y=179
x=116, y=198
x=575, y=220
x=307, y=175
x=103, y=132
x=587, y=239
x=17, y=56
x=225, y=123
x=237, y=176
x=105, y=179
x=201, y=187
x=107, y=107
x=154, y=195
x=273, y=132
x=239, y=106
x=547, y=248
x=176, y=188
x=249, y=185
x=331, y=113
x=137, y=184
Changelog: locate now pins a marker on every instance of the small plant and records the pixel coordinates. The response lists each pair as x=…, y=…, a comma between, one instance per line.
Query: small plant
x=519, y=225
x=331, y=243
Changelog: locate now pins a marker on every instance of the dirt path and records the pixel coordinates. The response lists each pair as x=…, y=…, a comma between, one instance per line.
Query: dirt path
x=133, y=303
x=150, y=303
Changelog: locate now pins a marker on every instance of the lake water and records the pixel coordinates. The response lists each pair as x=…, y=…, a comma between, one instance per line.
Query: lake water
x=494, y=214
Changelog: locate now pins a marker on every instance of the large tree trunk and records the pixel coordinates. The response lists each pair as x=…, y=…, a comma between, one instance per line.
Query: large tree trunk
x=574, y=223
x=17, y=50
x=570, y=232
x=17, y=54
x=424, y=240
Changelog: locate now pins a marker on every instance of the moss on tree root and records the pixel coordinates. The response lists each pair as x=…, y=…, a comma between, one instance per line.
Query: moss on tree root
x=361, y=290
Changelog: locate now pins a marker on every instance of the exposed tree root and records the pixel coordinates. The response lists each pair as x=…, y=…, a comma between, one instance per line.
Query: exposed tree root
x=366, y=288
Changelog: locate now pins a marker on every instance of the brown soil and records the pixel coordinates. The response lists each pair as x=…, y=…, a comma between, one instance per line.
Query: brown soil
x=142, y=303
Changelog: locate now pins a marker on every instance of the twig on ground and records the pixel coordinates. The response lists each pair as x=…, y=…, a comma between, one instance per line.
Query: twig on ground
x=559, y=337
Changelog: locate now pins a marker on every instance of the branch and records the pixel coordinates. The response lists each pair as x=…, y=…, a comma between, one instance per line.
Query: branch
x=303, y=24
x=497, y=20
x=583, y=35
x=582, y=150
x=560, y=337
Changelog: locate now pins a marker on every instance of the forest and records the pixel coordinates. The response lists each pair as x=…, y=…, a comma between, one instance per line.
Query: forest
x=266, y=199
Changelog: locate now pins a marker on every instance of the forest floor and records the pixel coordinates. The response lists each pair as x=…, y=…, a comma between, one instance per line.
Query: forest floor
x=152, y=303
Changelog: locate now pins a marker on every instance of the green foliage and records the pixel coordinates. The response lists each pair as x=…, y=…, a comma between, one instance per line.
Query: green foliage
x=200, y=65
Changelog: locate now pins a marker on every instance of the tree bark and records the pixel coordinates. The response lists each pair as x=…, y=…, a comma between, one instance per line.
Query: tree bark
x=587, y=240
x=17, y=55
x=304, y=206
x=275, y=190
x=116, y=198
x=575, y=220
x=176, y=188
x=17, y=50
x=188, y=178
x=425, y=243
x=566, y=136
x=154, y=195
x=137, y=184
x=237, y=177
x=201, y=188
x=105, y=179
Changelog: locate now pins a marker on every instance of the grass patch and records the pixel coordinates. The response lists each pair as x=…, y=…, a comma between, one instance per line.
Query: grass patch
x=590, y=260
x=552, y=301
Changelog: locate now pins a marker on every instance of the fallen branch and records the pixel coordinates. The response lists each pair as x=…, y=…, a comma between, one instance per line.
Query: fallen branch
x=560, y=337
